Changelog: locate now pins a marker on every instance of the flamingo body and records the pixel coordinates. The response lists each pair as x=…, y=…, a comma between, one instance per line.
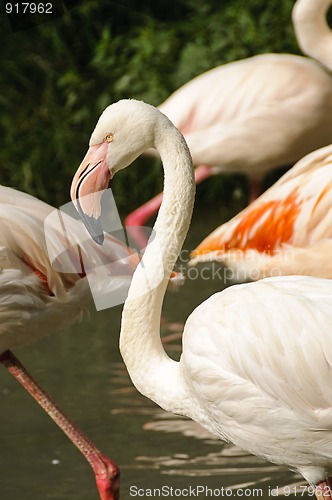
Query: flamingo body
x=37, y=295
x=34, y=296
x=259, y=377
x=257, y=358
x=287, y=230
x=253, y=115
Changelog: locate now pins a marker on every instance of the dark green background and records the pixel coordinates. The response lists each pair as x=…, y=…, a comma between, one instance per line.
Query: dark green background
x=57, y=76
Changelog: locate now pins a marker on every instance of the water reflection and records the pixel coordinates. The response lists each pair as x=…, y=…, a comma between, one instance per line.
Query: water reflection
x=83, y=371
x=226, y=463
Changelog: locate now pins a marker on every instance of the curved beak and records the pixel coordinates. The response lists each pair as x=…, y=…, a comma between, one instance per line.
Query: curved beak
x=89, y=183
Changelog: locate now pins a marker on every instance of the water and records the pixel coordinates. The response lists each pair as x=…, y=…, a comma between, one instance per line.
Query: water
x=82, y=369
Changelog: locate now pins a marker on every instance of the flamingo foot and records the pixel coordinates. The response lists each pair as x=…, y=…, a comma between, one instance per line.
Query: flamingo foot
x=106, y=472
x=108, y=479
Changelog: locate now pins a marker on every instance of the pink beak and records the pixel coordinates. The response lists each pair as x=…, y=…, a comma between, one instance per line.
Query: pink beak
x=89, y=183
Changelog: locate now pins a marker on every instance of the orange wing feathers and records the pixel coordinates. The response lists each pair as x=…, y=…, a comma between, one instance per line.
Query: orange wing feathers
x=287, y=230
x=264, y=227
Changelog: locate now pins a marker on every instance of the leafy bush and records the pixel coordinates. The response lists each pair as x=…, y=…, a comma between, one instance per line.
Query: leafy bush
x=56, y=77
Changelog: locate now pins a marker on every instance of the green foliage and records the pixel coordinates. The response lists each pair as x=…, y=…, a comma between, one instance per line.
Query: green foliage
x=56, y=77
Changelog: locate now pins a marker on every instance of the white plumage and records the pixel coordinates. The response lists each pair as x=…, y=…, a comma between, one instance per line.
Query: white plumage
x=36, y=298
x=257, y=358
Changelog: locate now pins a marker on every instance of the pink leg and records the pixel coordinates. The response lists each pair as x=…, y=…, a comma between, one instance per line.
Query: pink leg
x=255, y=190
x=203, y=172
x=106, y=472
x=142, y=214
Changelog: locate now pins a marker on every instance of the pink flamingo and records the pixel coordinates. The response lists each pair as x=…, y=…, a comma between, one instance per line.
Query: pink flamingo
x=287, y=230
x=254, y=115
x=35, y=298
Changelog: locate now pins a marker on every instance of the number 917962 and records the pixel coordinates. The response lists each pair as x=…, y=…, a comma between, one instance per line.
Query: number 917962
x=29, y=8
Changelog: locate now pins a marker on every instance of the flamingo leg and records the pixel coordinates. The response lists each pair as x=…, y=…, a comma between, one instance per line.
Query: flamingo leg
x=142, y=214
x=106, y=472
x=256, y=189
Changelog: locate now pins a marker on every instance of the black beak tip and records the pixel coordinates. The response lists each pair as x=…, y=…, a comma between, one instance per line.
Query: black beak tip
x=92, y=225
x=94, y=228
x=98, y=238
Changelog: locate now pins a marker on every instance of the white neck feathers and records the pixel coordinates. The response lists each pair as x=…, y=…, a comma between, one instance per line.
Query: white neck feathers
x=152, y=371
x=312, y=31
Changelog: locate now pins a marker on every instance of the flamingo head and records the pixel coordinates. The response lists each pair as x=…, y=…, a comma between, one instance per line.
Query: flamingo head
x=124, y=130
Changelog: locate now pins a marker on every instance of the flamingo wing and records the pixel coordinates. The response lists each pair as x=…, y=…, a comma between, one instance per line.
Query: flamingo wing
x=278, y=370
x=254, y=115
x=294, y=214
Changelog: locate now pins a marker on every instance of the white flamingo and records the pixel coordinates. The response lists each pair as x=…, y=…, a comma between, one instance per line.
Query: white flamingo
x=34, y=299
x=257, y=358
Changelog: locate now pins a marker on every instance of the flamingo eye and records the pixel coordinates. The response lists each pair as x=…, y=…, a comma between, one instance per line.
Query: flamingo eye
x=109, y=137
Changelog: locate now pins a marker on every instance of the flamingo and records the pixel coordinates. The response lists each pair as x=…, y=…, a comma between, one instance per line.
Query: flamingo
x=261, y=377
x=287, y=230
x=35, y=298
x=257, y=114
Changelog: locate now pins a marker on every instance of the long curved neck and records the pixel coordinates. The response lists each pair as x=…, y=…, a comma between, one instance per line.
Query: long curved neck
x=153, y=373
x=312, y=31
